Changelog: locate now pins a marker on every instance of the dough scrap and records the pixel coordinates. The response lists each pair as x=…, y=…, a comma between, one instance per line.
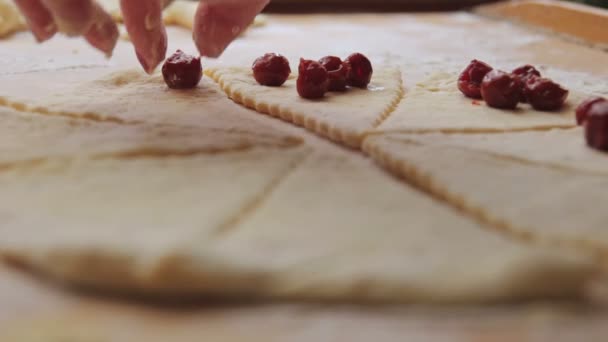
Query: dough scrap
x=28, y=137
x=380, y=244
x=341, y=117
x=436, y=105
x=532, y=201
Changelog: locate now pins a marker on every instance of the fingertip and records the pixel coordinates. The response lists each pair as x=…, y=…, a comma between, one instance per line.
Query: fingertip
x=143, y=21
x=104, y=33
x=38, y=19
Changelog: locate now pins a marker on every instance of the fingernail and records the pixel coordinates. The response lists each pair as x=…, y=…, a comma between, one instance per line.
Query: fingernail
x=149, y=60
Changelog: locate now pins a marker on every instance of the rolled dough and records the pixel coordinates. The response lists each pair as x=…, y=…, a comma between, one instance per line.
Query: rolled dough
x=10, y=19
x=530, y=200
x=31, y=138
x=436, y=105
x=558, y=148
x=273, y=232
x=124, y=96
x=341, y=117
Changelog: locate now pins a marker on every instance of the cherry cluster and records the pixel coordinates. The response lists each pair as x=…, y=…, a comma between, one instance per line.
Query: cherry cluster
x=504, y=90
x=315, y=78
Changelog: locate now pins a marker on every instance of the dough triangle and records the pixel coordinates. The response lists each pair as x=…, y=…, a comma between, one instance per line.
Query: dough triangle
x=341, y=117
x=436, y=105
x=531, y=200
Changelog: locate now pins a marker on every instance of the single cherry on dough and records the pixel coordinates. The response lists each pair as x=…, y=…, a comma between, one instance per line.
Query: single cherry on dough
x=182, y=71
x=501, y=90
x=582, y=111
x=526, y=73
x=596, y=126
x=360, y=70
x=313, y=79
x=337, y=71
x=469, y=81
x=545, y=95
x=271, y=70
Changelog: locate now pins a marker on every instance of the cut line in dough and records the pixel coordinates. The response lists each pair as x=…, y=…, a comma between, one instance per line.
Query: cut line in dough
x=286, y=239
x=342, y=117
x=531, y=201
x=30, y=138
x=436, y=105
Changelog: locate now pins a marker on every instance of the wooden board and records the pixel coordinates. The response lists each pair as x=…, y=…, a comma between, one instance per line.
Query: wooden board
x=577, y=21
x=36, y=310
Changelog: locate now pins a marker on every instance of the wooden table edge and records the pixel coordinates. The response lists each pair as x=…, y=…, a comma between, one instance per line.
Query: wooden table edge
x=586, y=23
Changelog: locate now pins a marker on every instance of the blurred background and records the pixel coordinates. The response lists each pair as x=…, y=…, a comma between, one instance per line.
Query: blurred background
x=413, y=5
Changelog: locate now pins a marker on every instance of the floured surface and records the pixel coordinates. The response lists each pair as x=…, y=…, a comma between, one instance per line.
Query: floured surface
x=559, y=148
x=541, y=202
x=272, y=233
x=436, y=105
x=30, y=137
x=341, y=117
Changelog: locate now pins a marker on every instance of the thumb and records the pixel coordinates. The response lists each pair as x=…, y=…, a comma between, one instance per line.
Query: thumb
x=218, y=22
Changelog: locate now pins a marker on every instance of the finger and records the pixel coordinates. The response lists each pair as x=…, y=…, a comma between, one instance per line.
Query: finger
x=103, y=34
x=73, y=17
x=218, y=22
x=143, y=21
x=38, y=18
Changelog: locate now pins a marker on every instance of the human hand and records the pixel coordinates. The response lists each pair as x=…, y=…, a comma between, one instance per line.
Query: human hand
x=217, y=23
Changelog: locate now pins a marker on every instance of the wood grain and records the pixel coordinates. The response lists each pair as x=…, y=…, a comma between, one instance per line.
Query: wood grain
x=580, y=21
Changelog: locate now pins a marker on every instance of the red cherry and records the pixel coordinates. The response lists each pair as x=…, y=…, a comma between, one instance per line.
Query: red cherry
x=544, y=94
x=596, y=126
x=182, y=71
x=361, y=70
x=271, y=70
x=313, y=79
x=469, y=82
x=526, y=73
x=501, y=90
x=331, y=63
x=337, y=72
x=582, y=111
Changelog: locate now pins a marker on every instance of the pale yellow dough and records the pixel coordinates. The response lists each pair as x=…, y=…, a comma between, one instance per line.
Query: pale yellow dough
x=30, y=138
x=126, y=96
x=341, y=117
x=558, y=148
x=436, y=105
x=522, y=194
x=273, y=232
x=11, y=20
